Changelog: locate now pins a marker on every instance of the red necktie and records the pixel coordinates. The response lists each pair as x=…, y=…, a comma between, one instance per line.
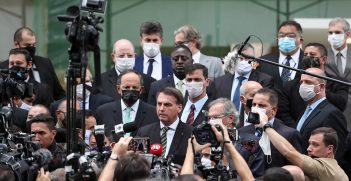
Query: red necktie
x=190, y=120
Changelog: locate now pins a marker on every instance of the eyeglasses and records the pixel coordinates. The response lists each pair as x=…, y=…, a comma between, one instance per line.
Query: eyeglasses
x=289, y=35
x=219, y=116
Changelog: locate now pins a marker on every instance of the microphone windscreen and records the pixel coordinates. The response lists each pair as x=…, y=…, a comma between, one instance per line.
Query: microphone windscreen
x=43, y=156
x=156, y=149
x=129, y=127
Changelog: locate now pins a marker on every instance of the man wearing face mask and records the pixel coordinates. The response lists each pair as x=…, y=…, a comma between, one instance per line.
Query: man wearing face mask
x=129, y=108
x=123, y=56
x=228, y=85
x=152, y=63
x=320, y=113
x=196, y=84
x=291, y=105
x=265, y=101
x=339, y=56
x=289, y=42
x=42, y=69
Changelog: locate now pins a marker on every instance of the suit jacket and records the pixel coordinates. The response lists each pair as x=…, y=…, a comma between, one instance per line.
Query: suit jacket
x=96, y=100
x=46, y=73
x=179, y=143
x=109, y=82
x=110, y=114
x=291, y=106
x=273, y=70
x=169, y=82
x=213, y=64
x=166, y=65
x=224, y=83
x=325, y=115
x=332, y=70
x=290, y=134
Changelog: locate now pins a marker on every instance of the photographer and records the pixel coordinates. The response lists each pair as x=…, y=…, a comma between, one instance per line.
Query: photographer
x=222, y=137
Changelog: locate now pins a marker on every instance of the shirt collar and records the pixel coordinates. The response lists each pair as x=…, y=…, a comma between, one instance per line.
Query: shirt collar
x=196, y=57
x=157, y=59
x=315, y=104
x=134, y=106
x=236, y=75
x=294, y=57
x=176, y=80
x=173, y=126
x=198, y=104
x=343, y=51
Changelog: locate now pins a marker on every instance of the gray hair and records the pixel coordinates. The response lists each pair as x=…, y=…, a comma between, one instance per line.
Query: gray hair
x=190, y=34
x=228, y=106
x=337, y=20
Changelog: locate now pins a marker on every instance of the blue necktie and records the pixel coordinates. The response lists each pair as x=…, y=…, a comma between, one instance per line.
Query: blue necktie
x=151, y=67
x=236, y=98
x=258, y=132
x=286, y=72
x=303, y=118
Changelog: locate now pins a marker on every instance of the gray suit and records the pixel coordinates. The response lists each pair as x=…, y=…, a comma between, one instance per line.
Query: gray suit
x=213, y=64
x=332, y=70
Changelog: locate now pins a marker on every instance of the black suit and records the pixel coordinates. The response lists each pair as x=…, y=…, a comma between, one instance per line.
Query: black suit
x=325, y=115
x=109, y=82
x=46, y=73
x=273, y=70
x=290, y=134
x=179, y=143
x=110, y=114
x=224, y=83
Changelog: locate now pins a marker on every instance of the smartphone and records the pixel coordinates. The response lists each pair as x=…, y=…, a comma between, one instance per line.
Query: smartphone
x=140, y=144
x=253, y=118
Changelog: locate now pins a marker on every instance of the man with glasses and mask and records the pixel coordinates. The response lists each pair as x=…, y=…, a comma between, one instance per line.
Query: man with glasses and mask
x=291, y=105
x=290, y=54
x=129, y=108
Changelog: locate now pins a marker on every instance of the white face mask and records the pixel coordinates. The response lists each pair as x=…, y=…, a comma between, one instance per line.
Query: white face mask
x=206, y=162
x=194, y=89
x=265, y=145
x=25, y=106
x=243, y=67
x=307, y=92
x=87, y=136
x=258, y=110
x=79, y=90
x=336, y=40
x=122, y=64
x=151, y=49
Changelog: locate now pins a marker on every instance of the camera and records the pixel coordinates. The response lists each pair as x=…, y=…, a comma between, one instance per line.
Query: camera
x=141, y=144
x=253, y=118
x=204, y=134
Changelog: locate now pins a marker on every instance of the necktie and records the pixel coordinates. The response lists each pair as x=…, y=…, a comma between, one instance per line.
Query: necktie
x=191, y=116
x=151, y=67
x=286, y=72
x=126, y=117
x=236, y=98
x=164, y=140
x=258, y=132
x=180, y=86
x=339, y=63
x=303, y=118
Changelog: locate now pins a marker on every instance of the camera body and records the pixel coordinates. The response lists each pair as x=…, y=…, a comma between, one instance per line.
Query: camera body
x=253, y=118
x=204, y=134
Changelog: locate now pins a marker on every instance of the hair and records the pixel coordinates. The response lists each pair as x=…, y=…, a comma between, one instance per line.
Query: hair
x=41, y=106
x=321, y=48
x=43, y=95
x=44, y=118
x=330, y=136
x=17, y=37
x=119, y=78
x=197, y=66
x=190, y=34
x=6, y=173
x=132, y=167
x=171, y=91
x=228, y=106
x=151, y=27
x=277, y=174
x=272, y=95
x=292, y=23
x=79, y=117
x=346, y=25
x=183, y=47
x=16, y=51
x=247, y=46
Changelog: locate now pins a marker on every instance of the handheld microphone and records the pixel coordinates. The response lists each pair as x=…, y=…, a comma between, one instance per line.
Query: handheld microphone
x=243, y=45
x=125, y=128
x=99, y=133
x=156, y=149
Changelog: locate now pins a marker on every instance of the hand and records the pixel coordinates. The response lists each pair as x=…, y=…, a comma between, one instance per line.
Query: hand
x=121, y=147
x=263, y=120
x=42, y=175
x=219, y=135
x=197, y=146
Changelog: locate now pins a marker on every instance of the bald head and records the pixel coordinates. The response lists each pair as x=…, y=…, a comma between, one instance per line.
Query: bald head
x=123, y=48
x=36, y=110
x=249, y=88
x=295, y=171
x=317, y=71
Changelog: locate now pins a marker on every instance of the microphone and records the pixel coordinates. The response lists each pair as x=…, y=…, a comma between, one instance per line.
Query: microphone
x=156, y=149
x=99, y=133
x=41, y=157
x=125, y=128
x=243, y=45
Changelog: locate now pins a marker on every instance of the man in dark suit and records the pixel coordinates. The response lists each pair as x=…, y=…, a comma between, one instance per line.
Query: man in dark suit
x=289, y=42
x=196, y=84
x=320, y=113
x=123, y=56
x=266, y=101
x=42, y=69
x=129, y=108
x=170, y=132
x=291, y=105
x=228, y=85
x=152, y=62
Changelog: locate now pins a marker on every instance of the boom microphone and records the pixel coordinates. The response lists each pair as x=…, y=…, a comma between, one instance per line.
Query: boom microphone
x=99, y=133
x=41, y=157
x=125, y=128
x=243, y=45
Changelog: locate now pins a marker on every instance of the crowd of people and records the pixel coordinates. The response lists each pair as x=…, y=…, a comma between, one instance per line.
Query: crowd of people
x=289, y=125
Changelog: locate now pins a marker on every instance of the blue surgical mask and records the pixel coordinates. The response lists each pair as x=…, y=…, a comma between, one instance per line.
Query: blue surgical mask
x=286, y=44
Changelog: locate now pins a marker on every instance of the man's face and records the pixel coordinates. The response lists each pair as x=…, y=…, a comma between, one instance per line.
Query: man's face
x=216, y=111
x=291, y=32
x=151, y=38
x=27, y=41
x=42, y=134
x=123, y=52
x=309, y=80
x=338, y=28
x=197, y=76
x=167, y=109
x=18, y=60
x=180, y=59
x=261, y=101
x=313, y=51
x=34, y=111
x=249, y=94
x=317, y=148
x=129, y=81
x=90, y=122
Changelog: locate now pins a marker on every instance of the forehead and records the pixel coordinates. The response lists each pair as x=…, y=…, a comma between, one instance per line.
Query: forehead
x=181, y=52
x=216, y=109
x=288, y=29
x=39, y=126
x=124, y=50
x=90, y=119
x=36, y=110
x=317, y=138
x=151, y=36
x=336, y=27
x=27, y=37
x=130, y=78
x=180, y=37
x=312, y=50
x=305, y=77
x=164, y=98
x=261, y=98
x=195, y=74
x=17, y=57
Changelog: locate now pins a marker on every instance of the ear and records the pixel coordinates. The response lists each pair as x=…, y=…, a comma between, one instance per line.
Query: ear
x=119, y=89
x=347, y=34
x=180, y=108
x=142, y=89
x=30, y=64
x=323, y=60
x=274, y=110
x=242, y=99
x=207, y=82
x=54, y=132
x=16, y=44
x=330, y=149
x=113, y=56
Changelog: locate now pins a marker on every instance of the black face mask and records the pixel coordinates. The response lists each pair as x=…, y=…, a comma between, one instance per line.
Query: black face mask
x=130, y=96
x=31, y=51
x=309, y=62
x=249, y=103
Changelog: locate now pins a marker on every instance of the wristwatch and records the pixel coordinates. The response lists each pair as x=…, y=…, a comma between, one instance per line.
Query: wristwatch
x=113, y=156
x=267, y=125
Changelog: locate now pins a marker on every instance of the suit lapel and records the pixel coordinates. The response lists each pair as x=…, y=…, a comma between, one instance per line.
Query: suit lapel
x=155, y=133
x=201, y=116
x=314, y=113
x=139, y=63
x=176, y=142
x=140, y=115
x=348, y=63
x=117, y=111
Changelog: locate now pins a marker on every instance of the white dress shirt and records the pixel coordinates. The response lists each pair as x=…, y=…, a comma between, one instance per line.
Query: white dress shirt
x=133, y=112
x=294, y=63
x=157, y=66
x=170, y=133
x=35, y=73
x=176, y=80
x=196, y=57
x=198, y=106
